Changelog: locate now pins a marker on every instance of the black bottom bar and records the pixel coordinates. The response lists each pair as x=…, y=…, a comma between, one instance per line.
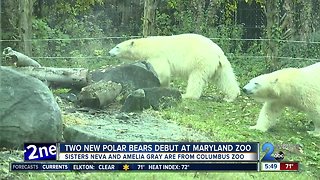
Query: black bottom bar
x=23, y=166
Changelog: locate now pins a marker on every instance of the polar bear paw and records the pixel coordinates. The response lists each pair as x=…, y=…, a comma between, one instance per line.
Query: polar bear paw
x=263, y=129
x=314, y=133
x=186, y=96
x=228, y=100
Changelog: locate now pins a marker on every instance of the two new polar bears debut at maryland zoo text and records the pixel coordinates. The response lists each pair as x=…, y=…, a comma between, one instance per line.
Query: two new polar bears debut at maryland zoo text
x=289, y=87
x=187, y=55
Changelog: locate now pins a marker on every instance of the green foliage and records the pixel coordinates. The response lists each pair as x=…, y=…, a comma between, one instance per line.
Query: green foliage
x=178, y=16
x=261, y=2
x=65, y=46
x=60, y=91
x=225, y=33
x=306, y=53
x=48, y=48
x=75, y=7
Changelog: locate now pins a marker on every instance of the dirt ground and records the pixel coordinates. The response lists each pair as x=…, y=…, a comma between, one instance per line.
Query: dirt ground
x=112, y=125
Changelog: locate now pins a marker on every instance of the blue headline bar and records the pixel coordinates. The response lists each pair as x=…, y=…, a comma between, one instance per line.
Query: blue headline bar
x=66, y=167
x=159, y=147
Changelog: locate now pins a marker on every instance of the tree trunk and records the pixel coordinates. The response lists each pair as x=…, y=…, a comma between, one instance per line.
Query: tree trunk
x=287, y=20
x=25, y=25
x=199, y=4
x=305, y=20
x=149, y=17
x=38, y=8
x=10, y=18
x=272, y=12
x=126, y=12
x=0, y=34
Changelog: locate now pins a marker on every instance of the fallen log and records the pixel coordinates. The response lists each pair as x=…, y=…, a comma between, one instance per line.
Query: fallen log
x=99, y=94
x=73, y=78
x=18, y=59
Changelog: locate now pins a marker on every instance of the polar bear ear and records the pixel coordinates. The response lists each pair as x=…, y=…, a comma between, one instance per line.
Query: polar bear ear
x=132, y=42
x=276, y=88
x=275, y=81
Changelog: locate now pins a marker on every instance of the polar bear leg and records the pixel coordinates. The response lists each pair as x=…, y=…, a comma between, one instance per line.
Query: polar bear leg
x=268, y=115
x=196, y=83
x=162, y=68
x=225, y=80
x=316, y=121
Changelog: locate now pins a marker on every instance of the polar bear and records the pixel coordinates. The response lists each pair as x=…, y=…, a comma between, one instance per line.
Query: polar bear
x=290, y=87
x=191, y=56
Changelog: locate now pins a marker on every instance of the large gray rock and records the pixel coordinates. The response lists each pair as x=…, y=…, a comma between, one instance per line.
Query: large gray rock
x=28, y=111
x=81, y=134
x=131, y=76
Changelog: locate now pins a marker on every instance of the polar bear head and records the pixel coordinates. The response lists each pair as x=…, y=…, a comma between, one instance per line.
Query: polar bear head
x=263, y=87
x=123, y=50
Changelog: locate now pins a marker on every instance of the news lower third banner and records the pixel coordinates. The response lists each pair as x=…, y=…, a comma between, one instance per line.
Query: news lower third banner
x=159, y=152
x=67, y=167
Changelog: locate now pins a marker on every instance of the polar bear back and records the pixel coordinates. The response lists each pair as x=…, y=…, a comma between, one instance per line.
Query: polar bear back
x=184, y=52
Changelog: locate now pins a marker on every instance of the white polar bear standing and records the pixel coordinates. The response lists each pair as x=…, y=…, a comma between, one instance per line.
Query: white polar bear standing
x=290, y=87
x=186, y=55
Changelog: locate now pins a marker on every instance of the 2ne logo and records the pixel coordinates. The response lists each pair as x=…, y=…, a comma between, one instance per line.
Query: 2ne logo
x=269, y=148
x=40, y=152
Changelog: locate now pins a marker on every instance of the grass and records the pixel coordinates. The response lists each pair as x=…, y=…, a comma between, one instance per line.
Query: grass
x=230, y=121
